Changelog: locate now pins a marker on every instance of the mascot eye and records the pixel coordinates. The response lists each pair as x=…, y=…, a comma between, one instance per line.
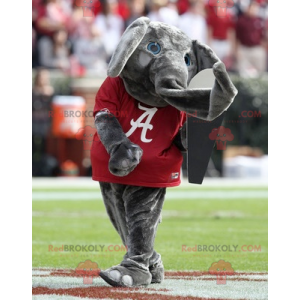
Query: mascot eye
x=187, y=60
x=154, y=48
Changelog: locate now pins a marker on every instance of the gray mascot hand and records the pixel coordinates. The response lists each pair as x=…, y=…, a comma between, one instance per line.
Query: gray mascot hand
x=124, y=158
x=124, y=155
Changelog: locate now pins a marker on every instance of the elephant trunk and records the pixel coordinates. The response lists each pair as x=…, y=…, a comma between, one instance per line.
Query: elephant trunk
x=193, y=101
x=205, y=104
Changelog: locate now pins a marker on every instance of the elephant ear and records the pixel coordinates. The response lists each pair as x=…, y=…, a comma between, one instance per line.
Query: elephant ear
x=206, y=57
x=223, y=92
x=130, y=39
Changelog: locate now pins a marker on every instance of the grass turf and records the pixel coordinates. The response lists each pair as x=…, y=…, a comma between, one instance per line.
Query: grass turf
x=189, y=222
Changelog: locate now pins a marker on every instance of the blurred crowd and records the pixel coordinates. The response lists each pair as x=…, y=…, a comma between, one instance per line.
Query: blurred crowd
x=79, y=36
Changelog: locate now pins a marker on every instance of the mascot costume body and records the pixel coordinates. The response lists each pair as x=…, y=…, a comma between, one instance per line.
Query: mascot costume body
x=140, y=118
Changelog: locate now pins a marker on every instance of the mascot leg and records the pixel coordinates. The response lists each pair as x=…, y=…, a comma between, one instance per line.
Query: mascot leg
x=135, y=213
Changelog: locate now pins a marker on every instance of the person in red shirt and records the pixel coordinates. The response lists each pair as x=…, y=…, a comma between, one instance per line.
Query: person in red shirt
x=251, y=37
x=50, y=18
x=221, y=33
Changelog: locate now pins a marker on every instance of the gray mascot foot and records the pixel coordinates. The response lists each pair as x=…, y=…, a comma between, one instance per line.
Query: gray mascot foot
x=158, y=272
x=129, y=276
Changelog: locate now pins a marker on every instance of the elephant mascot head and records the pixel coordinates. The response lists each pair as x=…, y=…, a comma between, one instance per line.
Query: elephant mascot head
x=157, y=62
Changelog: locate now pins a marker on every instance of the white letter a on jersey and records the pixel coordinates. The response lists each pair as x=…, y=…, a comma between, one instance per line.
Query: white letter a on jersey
x=149, y=113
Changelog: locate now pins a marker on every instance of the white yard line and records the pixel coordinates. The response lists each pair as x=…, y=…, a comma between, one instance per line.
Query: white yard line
x=39, y=272
x=243, y=289
x=171, y=195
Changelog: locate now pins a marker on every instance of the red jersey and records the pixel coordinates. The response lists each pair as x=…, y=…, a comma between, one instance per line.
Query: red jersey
x=250, y=31
x=219, y=25
x=152, y=128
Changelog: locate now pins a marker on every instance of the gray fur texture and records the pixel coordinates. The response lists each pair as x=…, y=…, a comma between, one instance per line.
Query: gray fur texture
x=135, y=212
x=124, y=155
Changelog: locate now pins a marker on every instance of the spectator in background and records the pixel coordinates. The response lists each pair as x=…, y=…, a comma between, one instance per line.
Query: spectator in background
x=54, y=53
x=79, y=26
x=42, y=93
x=164, y=11
x=221, y=34
x=109, y=25
x=137, y=10
x=90, y=52
x=50, y=17
x=42, y=86
x=193, y=21
x=251, y=42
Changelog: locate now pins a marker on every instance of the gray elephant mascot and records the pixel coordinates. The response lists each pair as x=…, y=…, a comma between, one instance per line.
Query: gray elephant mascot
x=140, y=113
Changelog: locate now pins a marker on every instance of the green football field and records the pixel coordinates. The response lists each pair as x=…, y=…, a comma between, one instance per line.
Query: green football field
x=200, y=226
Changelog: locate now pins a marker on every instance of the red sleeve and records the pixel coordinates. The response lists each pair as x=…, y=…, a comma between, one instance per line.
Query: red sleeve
x=108, y=97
